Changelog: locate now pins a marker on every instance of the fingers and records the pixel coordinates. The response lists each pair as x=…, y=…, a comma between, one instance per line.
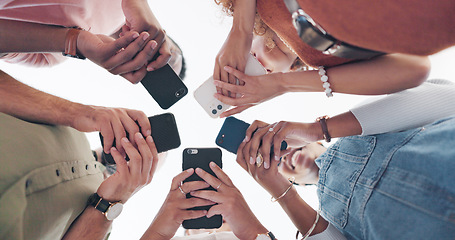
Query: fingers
x=213, y=181
x=193, y=214
x=135, y=158
x=195, y=202
x=235, y=110
x=137, y=61
x=233, y=101
x=121, y=165
x=224, y=76
x=253, y=127
x=217, y=75
x=210, y=195
x=215, y=210
x=163, y=58
x=240, y=157
x=279, y=137
x=231, y=87
x=135, y=76
x=232, y=80
x=155, y=157
x=123, y=51
x=141, y=118
x=180, y=177
x=236, y=73
x=220, y=174
x=146, y=155
x=108, y=138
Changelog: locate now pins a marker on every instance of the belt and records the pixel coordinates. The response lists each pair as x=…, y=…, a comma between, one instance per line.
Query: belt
x=315, y=36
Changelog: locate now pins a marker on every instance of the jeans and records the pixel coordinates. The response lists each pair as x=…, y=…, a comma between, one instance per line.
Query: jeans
x=391, y=186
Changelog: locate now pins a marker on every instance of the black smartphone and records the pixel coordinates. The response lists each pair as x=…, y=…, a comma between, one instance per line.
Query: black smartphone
x=165, y=86
x=200, y=158
x=232, y=134
x=164, y=133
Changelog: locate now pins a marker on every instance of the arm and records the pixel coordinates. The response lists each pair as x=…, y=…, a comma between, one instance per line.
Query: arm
x=236, y=48
x=129, y=53
x=382, y=75
x=128, y=179
x=27, y=103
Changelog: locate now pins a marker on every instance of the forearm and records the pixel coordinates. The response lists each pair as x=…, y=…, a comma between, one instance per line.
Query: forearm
x=27, y=103
x=32, y=37
x=382, y=75
x=91, y=224
x=244, y=14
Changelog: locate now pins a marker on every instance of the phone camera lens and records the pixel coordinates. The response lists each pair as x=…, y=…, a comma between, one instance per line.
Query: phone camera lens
x=214, y=111
x=219, y=107
x=180, y=92
x=189, y=151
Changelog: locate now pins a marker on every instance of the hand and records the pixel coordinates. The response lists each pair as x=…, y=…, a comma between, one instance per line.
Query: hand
x=300, y=164
x=113, y=123
x=130, y=176
x=174, y=209
x=255, y=90
x=233, y=53
x=139, y=17
x=295, y=134
x=127, y=55
x=231, y=204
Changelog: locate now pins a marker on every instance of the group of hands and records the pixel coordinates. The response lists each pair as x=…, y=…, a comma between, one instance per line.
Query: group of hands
x=129, y=56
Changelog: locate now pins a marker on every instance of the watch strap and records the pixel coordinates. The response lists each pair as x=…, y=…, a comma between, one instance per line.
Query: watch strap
x=325, y=131
x=270, y=234
x=99, y=203
x=71, y=43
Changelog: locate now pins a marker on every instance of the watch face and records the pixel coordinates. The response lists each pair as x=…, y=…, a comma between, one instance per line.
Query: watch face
x=263, y=237
x=113, y=211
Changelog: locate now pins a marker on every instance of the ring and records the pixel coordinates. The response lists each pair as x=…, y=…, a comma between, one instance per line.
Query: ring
x=259, y=160
x=271, y=130
x=219, y=186
x=181, y=190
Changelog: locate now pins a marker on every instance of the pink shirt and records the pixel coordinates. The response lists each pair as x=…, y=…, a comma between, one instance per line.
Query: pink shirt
x=96, y=16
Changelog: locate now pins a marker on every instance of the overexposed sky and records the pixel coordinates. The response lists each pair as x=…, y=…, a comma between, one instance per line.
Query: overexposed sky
x=200, y=28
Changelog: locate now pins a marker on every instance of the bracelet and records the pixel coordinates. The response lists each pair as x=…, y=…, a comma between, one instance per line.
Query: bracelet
x=307, y=234
x=325, y=81
x=325, y=132
x=292, y=180
x=71, y=43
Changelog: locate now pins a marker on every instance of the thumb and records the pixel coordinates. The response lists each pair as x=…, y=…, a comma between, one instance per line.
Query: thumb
x=121, y=42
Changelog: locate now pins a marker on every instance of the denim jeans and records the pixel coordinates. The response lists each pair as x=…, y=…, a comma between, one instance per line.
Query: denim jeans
x=391, y=186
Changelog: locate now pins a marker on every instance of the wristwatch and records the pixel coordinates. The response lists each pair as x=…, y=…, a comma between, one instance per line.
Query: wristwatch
x=110, y=210
x=266, y=236
x=71, y=43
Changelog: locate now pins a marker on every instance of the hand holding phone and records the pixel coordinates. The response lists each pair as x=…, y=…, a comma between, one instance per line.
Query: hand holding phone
x=164, y=133
x=201, y=158
x=232, y=134
x=204, y=93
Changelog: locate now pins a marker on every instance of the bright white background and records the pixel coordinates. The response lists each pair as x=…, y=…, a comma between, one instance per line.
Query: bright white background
x=200, y=29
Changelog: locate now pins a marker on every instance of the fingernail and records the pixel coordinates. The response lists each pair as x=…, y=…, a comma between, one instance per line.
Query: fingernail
x=150, y=69
x=125, y=139
x=135, y=35
x=226, y=68
x=251, y=160
x=198, y=170
x=138, y=135
x=153, y=45
x=149, y=132
x=266, y=165
x=145, y=36
x=212, y=164
x=189, y=170
x=277, y=158
x=112, y=149
x=149, y=138
x=246, y=139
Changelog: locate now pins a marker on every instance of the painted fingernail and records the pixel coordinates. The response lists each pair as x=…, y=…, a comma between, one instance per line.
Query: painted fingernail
x=277, y=158
x=266, y=165
x=153, y=44
x=125, y=139
x=145, y=36
x=135, y=35
x=252, y=160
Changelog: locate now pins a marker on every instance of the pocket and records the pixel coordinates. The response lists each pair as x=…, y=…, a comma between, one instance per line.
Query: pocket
x=340, y=168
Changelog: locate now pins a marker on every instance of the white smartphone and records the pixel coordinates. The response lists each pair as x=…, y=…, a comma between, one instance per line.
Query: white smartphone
x=204, y=93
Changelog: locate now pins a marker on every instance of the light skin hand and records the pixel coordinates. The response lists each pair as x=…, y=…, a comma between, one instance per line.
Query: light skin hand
x=175, y=208
x=139, y=17
x=255, y=90
x=113, y=123
x=130, y=176
x=231, y=204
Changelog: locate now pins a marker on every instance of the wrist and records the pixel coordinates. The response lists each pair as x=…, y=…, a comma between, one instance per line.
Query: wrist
x=302, y=81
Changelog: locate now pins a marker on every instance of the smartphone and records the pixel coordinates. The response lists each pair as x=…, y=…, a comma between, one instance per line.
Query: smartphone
x=200, y=158
x=232, y=134
x=164, y=133
x=204, y=93
x=165, y=86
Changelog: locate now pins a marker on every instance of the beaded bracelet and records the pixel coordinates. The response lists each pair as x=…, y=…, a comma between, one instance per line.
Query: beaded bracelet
x=325, y=81
x=292, y=180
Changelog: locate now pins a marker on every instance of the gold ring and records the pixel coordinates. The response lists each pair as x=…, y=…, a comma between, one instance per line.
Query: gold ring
x=259, y=160
x=219, y=186
x=181, y=190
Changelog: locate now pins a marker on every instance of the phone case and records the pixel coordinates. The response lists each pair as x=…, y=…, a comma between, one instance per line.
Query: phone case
x=204, y=93
x=200, y=158
x=164, y=133
x=165, y=86
x=232, y=134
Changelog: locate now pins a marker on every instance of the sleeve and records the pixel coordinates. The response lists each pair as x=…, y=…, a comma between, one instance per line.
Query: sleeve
x=330, y=233
x=407, y=109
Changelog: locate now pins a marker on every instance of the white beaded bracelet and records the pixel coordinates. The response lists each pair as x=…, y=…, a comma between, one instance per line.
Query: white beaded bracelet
x=325, y=81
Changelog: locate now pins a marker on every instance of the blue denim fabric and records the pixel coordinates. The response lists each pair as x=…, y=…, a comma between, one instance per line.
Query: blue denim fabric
x=391, y=186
